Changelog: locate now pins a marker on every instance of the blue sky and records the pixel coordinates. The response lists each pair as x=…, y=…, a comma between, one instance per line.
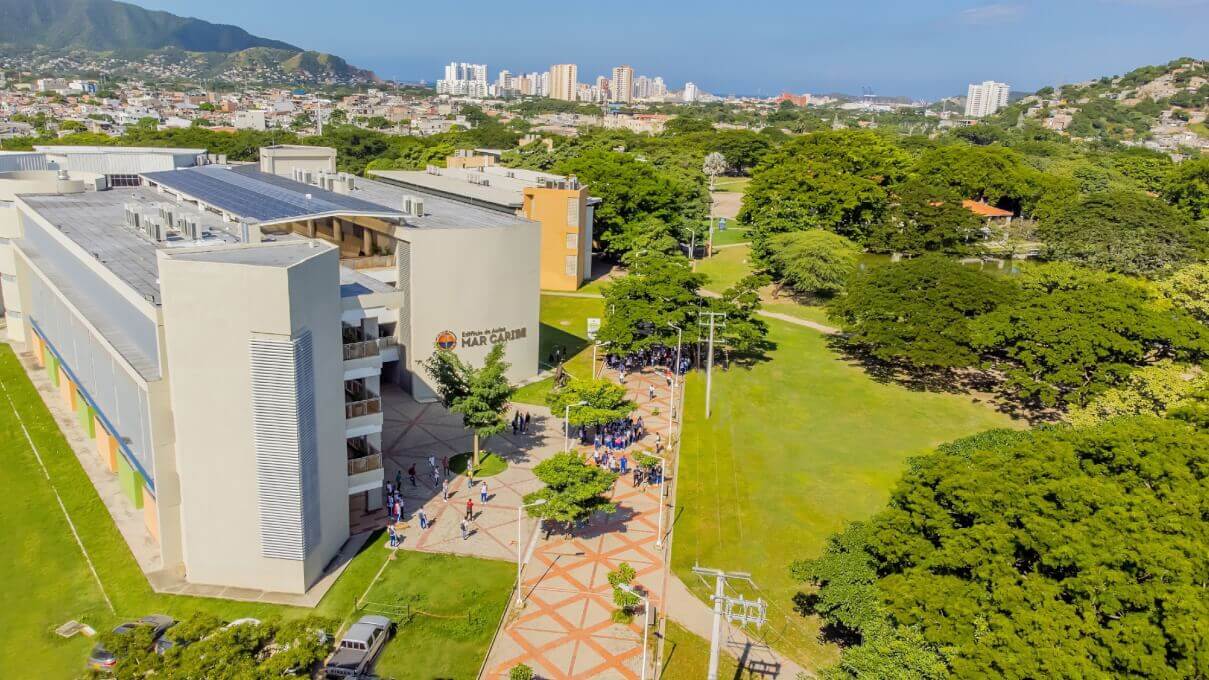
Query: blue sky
x=923, y=49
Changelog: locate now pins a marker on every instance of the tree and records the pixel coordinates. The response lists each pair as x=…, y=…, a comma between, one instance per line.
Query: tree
x=1057, y=552
x=1188, y=288
x=714, y=165
x=1119, y=231
x=813, y=261
x=1188, y=188
x=481, y=395
x=606, y=401
x=796, y=196
x=1152, y=390
x=918, y=311
x=925, y=218
x=994, y=174
x=744, y=333
x=573, y=489
x=686, y=124
x=1074, y=333
x=660, y=290
x=626, y=601
x=632, y=191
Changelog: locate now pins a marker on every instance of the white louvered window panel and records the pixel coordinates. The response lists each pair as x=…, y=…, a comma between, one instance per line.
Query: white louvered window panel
x=573, y=212
x=283, y=420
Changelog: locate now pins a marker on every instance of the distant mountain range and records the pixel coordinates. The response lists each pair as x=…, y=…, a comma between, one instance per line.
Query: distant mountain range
x=200, y=48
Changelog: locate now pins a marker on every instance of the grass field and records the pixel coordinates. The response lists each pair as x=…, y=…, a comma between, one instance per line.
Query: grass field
x=797, y=446
x=730, y=236
x=724, y=268
x=686, y=656
x=564, y=322
x=738, y=184
x=46, y=579
x=454, y=611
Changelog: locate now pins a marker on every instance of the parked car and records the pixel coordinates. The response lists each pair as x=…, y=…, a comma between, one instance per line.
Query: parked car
x=356, y=652
x=102, y=659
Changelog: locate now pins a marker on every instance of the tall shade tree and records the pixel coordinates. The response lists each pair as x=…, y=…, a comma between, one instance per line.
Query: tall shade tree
x=814, y=261
x=744, y=334
x=480, y=395
x=606, y=401
x=573, y=489
x=925, y=218
x=1187, y=188
x=638, y=308
x=1152, y=390
x=1188, y=288
x=1054, y=553
x=994, y=174
x=714, y=165
x=1126, y=232
x=918, y=312
x=1075, y=333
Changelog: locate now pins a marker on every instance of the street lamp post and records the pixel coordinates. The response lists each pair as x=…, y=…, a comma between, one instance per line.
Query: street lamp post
x=646, y=620
x=662, y=490
x=675, y=378
x=567, y=425
x=520, y=548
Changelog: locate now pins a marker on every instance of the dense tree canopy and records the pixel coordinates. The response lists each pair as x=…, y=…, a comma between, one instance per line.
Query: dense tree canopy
x=660, y=290
x=994, y=174
x=1188, y=288
x=606, y=401
x=1057, y=553
x=573, y=489
x=1119, y=231
x=925, y=218
x=480, y=395
x=1188, y=188
x=918, y=311
x=1074, y=333
x=813, y=261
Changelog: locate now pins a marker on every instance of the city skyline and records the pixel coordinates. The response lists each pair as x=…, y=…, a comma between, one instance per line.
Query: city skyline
x=928, y=52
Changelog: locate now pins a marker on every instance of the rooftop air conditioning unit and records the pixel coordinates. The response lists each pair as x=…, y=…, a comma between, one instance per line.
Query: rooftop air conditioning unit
x=407, y=201
x=132, y=216
x=418, y=206
x=351, y=182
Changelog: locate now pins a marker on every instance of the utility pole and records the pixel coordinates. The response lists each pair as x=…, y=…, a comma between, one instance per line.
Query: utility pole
x=734, y=609
x=709, y=354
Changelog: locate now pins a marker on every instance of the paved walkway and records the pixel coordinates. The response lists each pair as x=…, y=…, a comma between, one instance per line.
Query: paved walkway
x=565, y=629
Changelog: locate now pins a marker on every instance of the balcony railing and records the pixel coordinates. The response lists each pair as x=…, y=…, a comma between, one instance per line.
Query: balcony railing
x=365, y=407
x=358, y=465
x=360, y=448
x=360, y=350
x=369, y=261
x=387, y=342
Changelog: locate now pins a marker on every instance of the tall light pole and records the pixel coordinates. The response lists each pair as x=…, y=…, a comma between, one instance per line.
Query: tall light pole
x=662, y=489
x=567, y=425
x=675, y=378
x=646, y=620
x=709, y=356
x=519, y=547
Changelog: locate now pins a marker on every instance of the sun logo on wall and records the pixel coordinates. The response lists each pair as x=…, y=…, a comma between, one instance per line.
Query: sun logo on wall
x=447, y=340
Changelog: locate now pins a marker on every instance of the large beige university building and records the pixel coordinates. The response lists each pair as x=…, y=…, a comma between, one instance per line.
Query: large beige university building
x=224, y=332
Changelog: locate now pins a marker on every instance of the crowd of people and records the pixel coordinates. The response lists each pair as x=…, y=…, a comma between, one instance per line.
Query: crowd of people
x=659, y=356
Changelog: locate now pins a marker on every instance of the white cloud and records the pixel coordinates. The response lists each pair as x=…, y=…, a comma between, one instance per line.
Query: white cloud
x=995, y=13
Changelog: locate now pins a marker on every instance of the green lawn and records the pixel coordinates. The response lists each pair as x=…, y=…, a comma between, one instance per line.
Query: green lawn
x=490, y=464
x=730, y=236
x=686, y=656
x=797, y=446
x=564, y=322
x=449, y=608
x=724, y=268
x=46, y=580
x=738, y=184
x=1200, y=129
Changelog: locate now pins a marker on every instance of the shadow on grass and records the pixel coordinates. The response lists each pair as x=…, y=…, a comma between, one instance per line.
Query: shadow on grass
x=552, y=337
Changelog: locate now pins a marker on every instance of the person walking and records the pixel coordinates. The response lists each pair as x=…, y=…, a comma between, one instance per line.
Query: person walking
x=483, y=493
x=528, y=420
x=398, y=478
x=469, y=508
x=398, y=510
x=394, y=535
x=423, y=519
x=650, y=390
x=445, y=490
x=411, y=474
x=465, y=529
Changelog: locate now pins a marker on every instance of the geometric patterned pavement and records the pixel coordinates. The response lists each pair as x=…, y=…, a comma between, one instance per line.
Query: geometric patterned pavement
x=565, y=630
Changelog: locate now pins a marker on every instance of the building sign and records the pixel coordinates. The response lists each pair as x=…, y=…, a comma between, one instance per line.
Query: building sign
x=446, y=340
x=593, y=327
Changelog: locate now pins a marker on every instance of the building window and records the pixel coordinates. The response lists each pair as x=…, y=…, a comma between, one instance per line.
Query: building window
x=572, y=241
x=572, y=264
x=124, y=180
x=573, y=212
